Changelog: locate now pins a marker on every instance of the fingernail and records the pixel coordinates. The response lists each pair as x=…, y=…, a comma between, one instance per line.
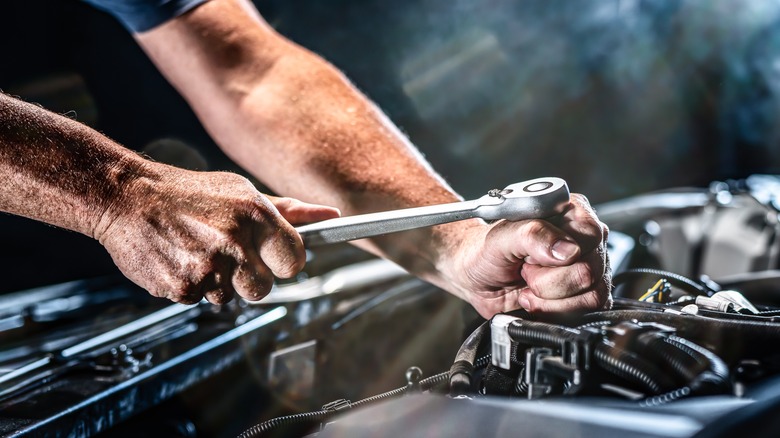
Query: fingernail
x=563, y=249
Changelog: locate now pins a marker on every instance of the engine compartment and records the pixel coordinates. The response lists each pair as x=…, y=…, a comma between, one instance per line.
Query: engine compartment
x=618, y=99
x=688, y=352
x=688, y=348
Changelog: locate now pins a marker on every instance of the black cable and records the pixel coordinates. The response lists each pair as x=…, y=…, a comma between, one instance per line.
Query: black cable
x=593, y=324
x=275, y=423
x=666, y=397
x=696, y=367
x=676, y=279
x=630, y=367
x=613, y=359
x=319, y=416
x=463, y=367
x=715, y=375
x=541, y=333
x=720, y=335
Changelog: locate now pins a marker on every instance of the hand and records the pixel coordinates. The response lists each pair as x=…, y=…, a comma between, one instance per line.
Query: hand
x=185, y=235
x=538, y=265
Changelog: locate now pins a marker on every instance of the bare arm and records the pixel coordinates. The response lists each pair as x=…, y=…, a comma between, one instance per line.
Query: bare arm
x=56, y=170
x=286, y=115
x=298, y=125
x=179, y=234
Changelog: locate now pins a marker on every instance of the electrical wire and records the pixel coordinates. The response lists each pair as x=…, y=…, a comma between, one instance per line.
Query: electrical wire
x=674, y=278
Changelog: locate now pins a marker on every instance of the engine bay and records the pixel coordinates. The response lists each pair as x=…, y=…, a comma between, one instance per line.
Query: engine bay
x=618, y=98
x=687, y=349
x=688, y=354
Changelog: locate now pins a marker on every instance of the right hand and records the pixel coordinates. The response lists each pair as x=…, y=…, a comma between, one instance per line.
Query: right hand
x=510, y=265
x=186, y=235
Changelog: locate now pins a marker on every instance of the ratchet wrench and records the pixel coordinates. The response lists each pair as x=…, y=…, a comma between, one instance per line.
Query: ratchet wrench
x=534, y=199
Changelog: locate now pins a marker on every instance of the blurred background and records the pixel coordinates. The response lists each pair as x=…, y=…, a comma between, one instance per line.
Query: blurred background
x=618, y=97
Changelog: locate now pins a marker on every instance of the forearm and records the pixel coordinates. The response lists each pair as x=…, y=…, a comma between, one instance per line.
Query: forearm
x=295, y=122
x=57, y=170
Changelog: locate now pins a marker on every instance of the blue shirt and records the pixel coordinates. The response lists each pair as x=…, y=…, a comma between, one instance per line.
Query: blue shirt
x=141, y=15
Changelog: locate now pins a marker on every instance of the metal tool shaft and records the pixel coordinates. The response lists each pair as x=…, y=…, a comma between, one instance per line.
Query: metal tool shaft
x=373, y=224
x=538, y=198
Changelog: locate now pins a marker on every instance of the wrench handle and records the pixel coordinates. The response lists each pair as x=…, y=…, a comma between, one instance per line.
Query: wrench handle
x=373, y=224
x=536, y=198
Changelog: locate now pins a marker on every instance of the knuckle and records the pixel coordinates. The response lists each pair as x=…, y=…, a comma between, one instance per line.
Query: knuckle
x=282, y=203
x=583, y=275
x=533, y=229
x=185, y=298
x=592, y=300
x=182, y=291
x=177, y=287
x=235, y=179
x=228, y=241
x=159, y=293
x=579, y=197
x=261, y=210
x=581, y=200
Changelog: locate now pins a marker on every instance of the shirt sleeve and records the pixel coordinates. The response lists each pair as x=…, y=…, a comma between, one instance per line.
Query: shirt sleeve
x=142, y=15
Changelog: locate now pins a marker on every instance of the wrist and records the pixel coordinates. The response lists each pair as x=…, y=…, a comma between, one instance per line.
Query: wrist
x=127, y=186
x=445, y=254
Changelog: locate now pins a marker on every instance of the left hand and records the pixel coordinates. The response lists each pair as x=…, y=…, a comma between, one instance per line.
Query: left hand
x=539, y=265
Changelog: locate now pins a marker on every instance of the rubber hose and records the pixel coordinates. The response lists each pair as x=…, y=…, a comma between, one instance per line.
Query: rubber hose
x=715, y=378
x=463, y=367
x=720, y=335
x=616, y=360
x=697, y=368
x=628, y=366
x=682, y=364
x=549, y=335
x=694, y=365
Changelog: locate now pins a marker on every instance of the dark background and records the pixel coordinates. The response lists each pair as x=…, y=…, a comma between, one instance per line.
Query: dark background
x=617, y=97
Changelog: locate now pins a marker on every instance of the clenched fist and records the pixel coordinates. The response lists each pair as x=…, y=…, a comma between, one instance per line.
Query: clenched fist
x=186, y=235
x=551, y=265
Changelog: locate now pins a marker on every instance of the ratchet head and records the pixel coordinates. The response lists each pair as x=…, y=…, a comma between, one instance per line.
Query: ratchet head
x=536, y=198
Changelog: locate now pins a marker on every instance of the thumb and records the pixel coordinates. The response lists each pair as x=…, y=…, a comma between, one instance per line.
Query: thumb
x=536, y=242
x=299, y=212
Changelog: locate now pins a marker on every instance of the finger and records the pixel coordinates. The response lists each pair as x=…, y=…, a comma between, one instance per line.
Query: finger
x=533, y=241
x=279, y=245
x=219, y=289
x=565, y=281
x=489, y=304
x=183, y=295
x=215, y=284
x=282, y=252
x=594, y=299
x=299, y=212
x=580, y=222
x=174, y=287
x=220, y=295
x=252, y=279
